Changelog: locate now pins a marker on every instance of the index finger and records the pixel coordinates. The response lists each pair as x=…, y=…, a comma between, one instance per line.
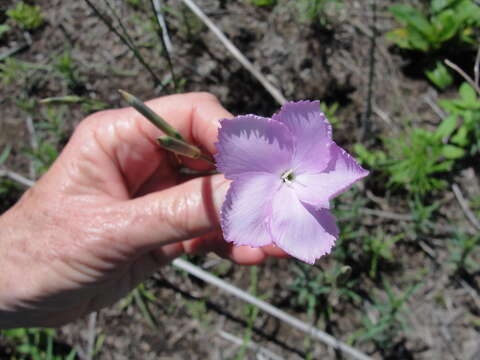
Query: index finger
x=195, y=115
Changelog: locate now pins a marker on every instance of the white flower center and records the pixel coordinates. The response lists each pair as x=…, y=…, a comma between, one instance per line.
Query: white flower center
x=288, y=177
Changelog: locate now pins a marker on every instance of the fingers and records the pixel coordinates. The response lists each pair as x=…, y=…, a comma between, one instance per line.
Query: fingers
x=214, y=242
x=175, y=214
x=195, y=115
x=125, y=139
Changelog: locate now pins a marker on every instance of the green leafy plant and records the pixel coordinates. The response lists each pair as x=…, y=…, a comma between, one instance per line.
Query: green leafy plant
x=385, y=322
x=467, y=109
x=440, y=76
x=422, y=216
x=330, y=111
x=27, y=16
x=447, y=21
x=263, y=2
x=318, y=10
x=66, y=67
x=4, y=28
x=5, y=154
x=461, y=248
x=251, y=313
x=371, y=158
x=418, y=156
x=378, y=248
x=143, y=299
x=18, y=72
x=36, y=344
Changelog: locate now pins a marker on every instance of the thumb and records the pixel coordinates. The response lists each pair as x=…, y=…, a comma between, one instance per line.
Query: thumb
x=176, y=214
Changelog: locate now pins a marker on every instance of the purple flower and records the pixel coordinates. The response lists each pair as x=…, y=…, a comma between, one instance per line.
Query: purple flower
x=285, y=170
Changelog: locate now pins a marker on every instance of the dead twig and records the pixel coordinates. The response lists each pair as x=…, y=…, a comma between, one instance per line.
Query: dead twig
x=464, y=75
x=163, y=35
x=92, y=323
x=33, y=144
x=465, y=208
x=157, y=5
x=476, y=68
x=13, y=51
x=366, y=118
x=276, y=94
x=386, y=214
x=17, y=177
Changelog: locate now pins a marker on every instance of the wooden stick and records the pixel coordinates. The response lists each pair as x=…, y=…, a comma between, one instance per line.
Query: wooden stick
x=464, y=205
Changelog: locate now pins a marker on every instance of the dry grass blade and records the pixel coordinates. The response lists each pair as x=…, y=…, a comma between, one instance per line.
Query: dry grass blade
x=464, y=75
x=463, y=204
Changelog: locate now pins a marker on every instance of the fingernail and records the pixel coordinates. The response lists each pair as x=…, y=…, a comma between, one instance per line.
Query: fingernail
x=220, y=191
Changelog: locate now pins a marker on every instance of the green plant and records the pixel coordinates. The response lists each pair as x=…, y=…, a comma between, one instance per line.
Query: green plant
x=50, y=134
x=330, y=110
x=263, y=2
x=371, y=158
x=422, y=216
x=318, y=10
x=312, y=286
x=418, y=156
x=446, y=21
x=440, y=76
x=16, y=72
x=27, y=16
x=134, y=3
x=142, y=298
x=251, y=313
x=198, y=310
x=5, y=154
x=88, y=105
x=66, y=67
x=461, y=248
x=384, y=322
x=4, y=28
x=36, y=344
x=378, y=248
x=467, y=108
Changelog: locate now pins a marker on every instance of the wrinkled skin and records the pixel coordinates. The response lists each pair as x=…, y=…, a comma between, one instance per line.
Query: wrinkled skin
x=111, y=210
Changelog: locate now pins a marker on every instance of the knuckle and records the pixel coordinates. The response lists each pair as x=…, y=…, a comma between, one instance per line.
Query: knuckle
x=206, y=96
x=91, y=121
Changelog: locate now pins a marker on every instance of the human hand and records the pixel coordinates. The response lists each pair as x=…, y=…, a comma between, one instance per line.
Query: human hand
x=111, y=209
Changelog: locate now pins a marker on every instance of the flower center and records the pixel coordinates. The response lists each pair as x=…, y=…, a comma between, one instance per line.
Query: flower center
x=288, y=176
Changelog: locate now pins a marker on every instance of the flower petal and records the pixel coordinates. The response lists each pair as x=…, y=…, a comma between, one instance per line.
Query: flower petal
x=299, y=229
x=318, y=188
x=247, y=210
x=312, y=133
x=251, y=143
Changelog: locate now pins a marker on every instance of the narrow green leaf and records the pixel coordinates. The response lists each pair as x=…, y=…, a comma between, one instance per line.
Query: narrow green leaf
x=467, y=93
x=440, y=76
x=5, y=154
x=461, y=137
x=154, y=118
x=446, y=127
x=452, y=152
x=182, y=148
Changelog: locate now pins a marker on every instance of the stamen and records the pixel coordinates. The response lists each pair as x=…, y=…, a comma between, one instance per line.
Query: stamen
x=288, y=176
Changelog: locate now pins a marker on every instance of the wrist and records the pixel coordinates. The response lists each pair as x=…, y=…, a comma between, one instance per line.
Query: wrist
x=16, y=270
